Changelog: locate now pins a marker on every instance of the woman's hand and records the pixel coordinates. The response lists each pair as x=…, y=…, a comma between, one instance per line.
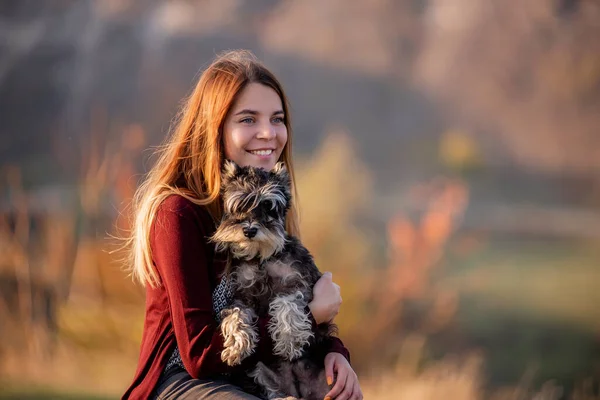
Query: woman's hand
x=346, y=382
x=326, y=299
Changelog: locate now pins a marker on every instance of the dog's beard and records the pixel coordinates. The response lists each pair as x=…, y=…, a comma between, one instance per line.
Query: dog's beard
x=266, y=242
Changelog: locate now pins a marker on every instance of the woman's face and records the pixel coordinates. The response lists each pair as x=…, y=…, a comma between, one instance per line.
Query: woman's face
x=254, y=131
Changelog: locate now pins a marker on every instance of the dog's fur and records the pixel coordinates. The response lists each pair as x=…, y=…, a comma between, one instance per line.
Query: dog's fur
x=301, y=379
x=271, y=273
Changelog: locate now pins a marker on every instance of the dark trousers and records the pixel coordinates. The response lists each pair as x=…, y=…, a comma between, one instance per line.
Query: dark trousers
x=181, y=385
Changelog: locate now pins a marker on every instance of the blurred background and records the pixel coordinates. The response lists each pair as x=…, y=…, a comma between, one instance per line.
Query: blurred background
x=448, y=159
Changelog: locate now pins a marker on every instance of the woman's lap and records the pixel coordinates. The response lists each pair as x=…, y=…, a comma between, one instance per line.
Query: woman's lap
x=183, y=386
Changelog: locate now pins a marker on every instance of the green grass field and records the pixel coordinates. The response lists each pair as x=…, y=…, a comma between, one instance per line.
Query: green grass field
x=529, y=305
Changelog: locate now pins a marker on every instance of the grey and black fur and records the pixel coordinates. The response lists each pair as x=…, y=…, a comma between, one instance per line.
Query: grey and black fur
x=273, y=274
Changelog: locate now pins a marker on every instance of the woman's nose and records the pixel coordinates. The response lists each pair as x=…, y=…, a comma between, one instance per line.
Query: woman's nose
x=267, y=131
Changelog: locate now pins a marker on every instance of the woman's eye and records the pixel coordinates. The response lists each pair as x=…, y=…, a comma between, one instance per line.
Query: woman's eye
x=278, y=120
x=247, y=120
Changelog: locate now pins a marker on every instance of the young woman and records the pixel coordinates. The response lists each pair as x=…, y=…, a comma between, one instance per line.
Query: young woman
x=237, y=111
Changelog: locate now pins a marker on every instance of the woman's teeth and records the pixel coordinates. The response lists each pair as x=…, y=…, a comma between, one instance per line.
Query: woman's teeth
x=262, y=152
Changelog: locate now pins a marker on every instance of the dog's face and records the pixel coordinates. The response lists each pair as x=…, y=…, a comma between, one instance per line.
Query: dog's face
x=255, y=204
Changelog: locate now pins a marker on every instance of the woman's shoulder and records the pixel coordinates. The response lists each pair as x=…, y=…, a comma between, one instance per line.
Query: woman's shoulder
x=183, y=207
x=177, y=204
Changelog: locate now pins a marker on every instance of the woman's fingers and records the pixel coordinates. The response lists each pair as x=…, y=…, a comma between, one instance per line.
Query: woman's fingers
x=356, y=392
x=329, y=362
x=348, y=389
x=340, y=384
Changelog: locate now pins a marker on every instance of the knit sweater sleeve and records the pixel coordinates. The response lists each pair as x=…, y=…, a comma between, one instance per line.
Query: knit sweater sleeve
x=181, y=255
x=335, y=344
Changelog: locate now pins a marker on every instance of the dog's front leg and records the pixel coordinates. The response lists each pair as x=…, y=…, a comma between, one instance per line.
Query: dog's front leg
x=239, y=333
x=289, y=327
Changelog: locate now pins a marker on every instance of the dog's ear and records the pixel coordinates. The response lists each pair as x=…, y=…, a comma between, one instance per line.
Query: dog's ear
x=230, y=169
x=279, y=168
x=281, y=173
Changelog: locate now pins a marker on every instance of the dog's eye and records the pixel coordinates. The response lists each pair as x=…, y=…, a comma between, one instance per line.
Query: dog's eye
x=269, y=205
x=271, y=213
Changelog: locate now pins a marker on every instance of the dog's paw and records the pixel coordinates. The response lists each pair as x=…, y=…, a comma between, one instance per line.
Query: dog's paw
x=235, y=354
x=289, y=327
x=290, y=347
x=240, y=335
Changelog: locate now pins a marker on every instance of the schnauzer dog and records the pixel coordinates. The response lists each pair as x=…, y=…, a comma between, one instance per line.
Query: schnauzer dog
x=271, y=273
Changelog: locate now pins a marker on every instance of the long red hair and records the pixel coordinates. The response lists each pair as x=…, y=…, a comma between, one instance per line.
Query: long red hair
x=189, y=161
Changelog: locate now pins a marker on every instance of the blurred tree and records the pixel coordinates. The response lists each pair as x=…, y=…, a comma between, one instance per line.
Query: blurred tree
x=529, y=71
x=459, y=150
x=335, y=192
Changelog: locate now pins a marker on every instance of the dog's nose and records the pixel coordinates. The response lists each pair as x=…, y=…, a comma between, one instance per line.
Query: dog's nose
x=250, y=232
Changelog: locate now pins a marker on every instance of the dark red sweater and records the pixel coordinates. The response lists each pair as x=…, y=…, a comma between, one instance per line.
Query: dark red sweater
x=180, y=311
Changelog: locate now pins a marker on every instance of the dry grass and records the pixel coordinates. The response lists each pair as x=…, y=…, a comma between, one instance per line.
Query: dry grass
x=98, y=312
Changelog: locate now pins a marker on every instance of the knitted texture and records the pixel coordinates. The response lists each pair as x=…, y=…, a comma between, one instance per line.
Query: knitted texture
x=222, y=297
